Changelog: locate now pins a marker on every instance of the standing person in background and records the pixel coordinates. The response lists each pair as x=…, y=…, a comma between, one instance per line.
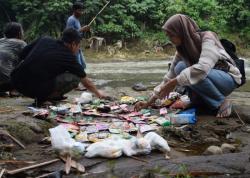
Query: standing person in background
x=73, y=22
x=201, y=64
x=10, y=48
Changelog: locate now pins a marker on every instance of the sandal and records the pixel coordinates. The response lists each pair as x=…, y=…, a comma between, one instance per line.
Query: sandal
x=225, y=109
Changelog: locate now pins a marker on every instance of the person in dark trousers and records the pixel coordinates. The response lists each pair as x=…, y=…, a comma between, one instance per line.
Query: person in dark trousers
x=49, y=69
x=10, y=47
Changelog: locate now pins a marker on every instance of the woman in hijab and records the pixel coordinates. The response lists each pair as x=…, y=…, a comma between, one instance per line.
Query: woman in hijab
x=200, y=63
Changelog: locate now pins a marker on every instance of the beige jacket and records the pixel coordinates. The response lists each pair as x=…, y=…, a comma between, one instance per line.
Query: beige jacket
x=210, y=55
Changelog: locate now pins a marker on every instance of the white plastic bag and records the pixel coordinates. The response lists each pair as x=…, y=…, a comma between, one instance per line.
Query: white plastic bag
x=142, y=146
x=107, y=149
x=133, y=146
x=157, y=142
x=115, y=146
x=62, y=141
x=85, y=98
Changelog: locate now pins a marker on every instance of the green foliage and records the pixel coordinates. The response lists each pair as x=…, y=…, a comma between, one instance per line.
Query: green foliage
x=41, y=17
x=237, y=15
x=131, y=19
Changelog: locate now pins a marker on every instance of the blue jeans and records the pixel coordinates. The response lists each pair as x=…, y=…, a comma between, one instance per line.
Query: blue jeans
x=81, y=59
x=213, y=89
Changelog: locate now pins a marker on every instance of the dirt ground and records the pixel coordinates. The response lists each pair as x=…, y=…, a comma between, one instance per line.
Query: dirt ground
x=188, y=144
x=187, y=154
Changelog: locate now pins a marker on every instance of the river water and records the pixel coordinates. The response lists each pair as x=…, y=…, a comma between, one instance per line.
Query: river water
x=128, y=73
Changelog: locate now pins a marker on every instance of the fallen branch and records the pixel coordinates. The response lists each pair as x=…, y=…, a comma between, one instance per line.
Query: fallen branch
x=68, y=164
x=32, y=167
x=75, y=165
x=2, y=172
x=13, y=138
x=15, y=162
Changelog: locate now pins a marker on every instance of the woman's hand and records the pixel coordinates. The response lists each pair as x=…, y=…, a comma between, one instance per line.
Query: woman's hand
x=167, y=88
x=141, y=105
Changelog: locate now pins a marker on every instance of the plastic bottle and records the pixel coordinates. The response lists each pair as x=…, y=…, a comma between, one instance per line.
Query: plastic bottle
x=183, y=119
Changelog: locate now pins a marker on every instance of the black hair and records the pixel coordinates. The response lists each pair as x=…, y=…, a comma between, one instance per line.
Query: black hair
x=77, y=5
x=12, y=30
x=71, y=35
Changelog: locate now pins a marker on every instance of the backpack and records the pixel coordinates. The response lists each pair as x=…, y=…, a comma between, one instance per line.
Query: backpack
x=240, y=63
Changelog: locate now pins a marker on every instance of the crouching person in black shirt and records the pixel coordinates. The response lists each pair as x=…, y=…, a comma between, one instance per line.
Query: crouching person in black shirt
x=49, y=68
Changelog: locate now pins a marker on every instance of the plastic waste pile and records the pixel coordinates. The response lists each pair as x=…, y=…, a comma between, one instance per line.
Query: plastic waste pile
x=94, y=127
x=112, y=147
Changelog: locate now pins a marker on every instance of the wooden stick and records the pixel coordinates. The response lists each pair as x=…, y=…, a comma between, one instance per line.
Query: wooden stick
x=68, y=164
x=16, y=162
x=13, y=138
x=17, y=141
x=98, y=13
x=32, y=167
x=75, y=165
x=2, y=172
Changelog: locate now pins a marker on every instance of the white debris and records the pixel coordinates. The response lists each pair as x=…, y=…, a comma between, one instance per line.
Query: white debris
x=62, y=141
x=85, y=98
x=157, y=142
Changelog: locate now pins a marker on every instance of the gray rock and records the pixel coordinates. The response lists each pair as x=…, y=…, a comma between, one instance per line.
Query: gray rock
x=211, y=140
x=246, y=129
x=228, y=148
x=213, y=150
x=243, y=112
x=139, y=87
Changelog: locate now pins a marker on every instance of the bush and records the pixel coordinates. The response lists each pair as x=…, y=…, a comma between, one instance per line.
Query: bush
x=131, y=19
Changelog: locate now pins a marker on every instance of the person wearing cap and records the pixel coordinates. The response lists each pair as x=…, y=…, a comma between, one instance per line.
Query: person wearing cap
x=10, y=47
x=49, y=69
